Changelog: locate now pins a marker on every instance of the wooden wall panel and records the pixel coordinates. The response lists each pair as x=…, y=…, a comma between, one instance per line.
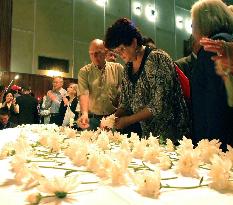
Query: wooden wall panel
x=5, y=34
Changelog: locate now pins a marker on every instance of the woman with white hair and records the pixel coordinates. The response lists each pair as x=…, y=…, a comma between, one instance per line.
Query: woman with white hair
x=211, y=115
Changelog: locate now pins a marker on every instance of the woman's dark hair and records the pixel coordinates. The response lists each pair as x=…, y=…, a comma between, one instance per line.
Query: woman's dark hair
x=147, y=41
x=5, y=94
x=123, y=31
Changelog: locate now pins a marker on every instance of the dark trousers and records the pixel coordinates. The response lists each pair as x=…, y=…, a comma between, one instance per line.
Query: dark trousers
x=55, y=118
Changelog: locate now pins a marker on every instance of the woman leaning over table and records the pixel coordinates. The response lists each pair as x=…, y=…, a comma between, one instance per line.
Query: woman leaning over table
x=10, y=103
x=212, y=117
x=150, y=89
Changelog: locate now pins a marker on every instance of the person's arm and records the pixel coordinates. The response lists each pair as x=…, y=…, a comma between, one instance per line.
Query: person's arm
x=229, y=88
x=125, y=121
x=83, y=120
x=47, y=102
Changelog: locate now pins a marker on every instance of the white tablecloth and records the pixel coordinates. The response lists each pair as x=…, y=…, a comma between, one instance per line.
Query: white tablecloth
x=11, y=194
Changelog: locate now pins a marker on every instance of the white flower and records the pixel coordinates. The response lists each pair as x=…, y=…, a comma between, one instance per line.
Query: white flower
x=208, y=148
x=220, y=172
x=148, y=183
x=134, y=137
x=169, y=146
x=188, y=163
x=116, y=137
x=151, y=154
x=185, y=145
x=103, y=141
x=22, y=145
x=105, y=163
x=125, y=145
x=80, y=158
x=153, y=141
x=88, y=135
x=71, y=133
x=25, y=173
x=124, y=157
x=138, y=149
x=117, y=173
x=93, y=161
x=108, y=121
x=164, y=162
x=34, y=198
x=6, y=150
x=58, y=184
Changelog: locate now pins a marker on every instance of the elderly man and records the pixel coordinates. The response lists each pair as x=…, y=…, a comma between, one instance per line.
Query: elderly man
x=54, y=98
x=99, y=84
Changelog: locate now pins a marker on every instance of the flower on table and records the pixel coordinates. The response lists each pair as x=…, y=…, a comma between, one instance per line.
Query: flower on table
x=88, y=135
x=229, y=154
x=124, y=157
x=125, y=145
x=151, y=154
x=25, y=173
x=208, y=148
x=103, y=141
x=185, y=145
x=6, y=150
x=105, y=163
x=188, y=163
x=93, y=161
x=116, y=137
x=169, y=146
x=80, y=156
x=117, y=173
x=34, y=198
x=56, y=188
x=220, y=172
x=22, y=145
x=153, y=141
x=138, y=149
x=108, y=121
x=69, y=132
x=134, y=137
x=148, y=183
x=59, y=186
x=164, y=161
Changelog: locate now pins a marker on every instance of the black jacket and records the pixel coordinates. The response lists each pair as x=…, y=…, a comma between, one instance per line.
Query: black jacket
x=28, y=112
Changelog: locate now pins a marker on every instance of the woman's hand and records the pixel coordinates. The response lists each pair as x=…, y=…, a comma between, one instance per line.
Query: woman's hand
x=66, y=101
x=122, y=122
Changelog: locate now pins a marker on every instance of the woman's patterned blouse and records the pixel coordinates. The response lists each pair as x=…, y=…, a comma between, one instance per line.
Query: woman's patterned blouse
x=156, y=87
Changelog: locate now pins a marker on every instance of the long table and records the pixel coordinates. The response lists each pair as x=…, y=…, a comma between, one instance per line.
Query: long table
x=102, y=193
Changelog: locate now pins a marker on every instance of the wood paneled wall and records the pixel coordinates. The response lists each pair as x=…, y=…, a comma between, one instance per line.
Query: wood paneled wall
x=5, y=34
x=39, y=84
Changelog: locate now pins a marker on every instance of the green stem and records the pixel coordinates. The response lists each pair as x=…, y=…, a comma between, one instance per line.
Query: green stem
x=67, y=169
x=175, y=159
x=89, y=182
x=48, y=196
x=169, y=178
x=39, y=161
x=81, y=191
x=50, y=157
x=183, y=187
x=147, y=167
x=201, y=166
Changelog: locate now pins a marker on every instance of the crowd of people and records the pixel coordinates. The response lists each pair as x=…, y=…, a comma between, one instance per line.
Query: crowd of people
x=146, y=94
